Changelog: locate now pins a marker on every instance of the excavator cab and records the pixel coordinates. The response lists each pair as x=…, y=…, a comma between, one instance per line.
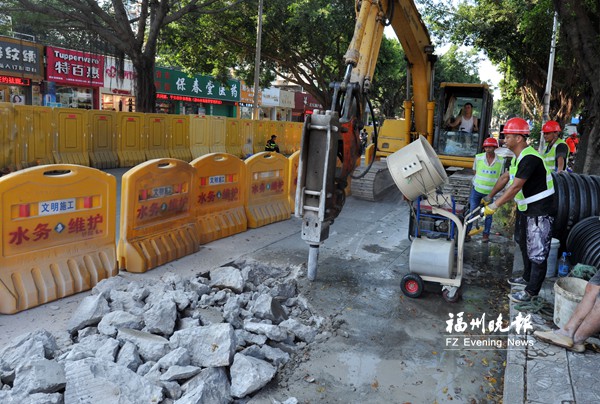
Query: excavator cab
x=454, y=145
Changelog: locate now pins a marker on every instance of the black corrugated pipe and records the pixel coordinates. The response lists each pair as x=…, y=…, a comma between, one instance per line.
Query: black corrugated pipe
x=583, y=242
x=577, y=197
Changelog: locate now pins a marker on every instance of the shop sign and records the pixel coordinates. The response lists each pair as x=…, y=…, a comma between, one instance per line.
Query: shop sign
x=175, y=82
x=247, y=94
x=286, y=99
x=21, y=58
x=66, y=66
x=270, y=97
x=14, y=81
x=186, y=98
x=119, y=85
x=306, y=102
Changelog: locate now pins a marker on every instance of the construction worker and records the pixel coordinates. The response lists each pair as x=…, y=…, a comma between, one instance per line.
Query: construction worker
x=557, y=151
x=531, y=186
x=271, y=145
x=488, y=168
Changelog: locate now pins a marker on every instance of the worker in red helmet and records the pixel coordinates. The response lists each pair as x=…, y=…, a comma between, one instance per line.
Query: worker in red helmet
x=531, y=186
x=557, y=151
x=488, y=168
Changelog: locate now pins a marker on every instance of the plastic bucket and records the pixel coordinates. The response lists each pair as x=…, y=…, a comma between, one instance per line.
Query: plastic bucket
x=568, y=292
x=553, y=259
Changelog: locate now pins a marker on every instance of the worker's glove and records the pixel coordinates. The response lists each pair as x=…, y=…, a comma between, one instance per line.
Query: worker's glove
x=486, y=201
x=489, y=209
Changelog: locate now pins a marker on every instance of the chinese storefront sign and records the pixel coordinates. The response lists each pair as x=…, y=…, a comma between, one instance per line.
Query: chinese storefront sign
x=66, y=66
x=186, y=88
x=20, y=58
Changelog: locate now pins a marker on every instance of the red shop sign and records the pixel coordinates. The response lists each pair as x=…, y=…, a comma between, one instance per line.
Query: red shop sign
x=74, y=67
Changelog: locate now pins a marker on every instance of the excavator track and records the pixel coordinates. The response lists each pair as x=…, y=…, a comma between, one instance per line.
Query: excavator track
x=374, y=184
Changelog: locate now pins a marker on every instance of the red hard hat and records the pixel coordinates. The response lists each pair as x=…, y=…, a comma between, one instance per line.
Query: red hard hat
x=516, y=126
x=490, y=142
x=551, y=126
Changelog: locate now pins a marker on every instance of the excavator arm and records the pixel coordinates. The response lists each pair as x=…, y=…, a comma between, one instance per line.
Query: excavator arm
x=330, y=146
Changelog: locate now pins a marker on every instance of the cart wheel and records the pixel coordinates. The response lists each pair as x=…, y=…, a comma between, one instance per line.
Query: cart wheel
x=453, y=299
x=412, y=285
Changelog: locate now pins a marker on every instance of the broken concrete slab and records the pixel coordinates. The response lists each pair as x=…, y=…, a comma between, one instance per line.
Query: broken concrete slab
x=89, y=312
x=39, y=376
x=227, y=278
x=97, y=381
x=249, y=374
x=208, y=346
x=113, y=321
x=150, y=347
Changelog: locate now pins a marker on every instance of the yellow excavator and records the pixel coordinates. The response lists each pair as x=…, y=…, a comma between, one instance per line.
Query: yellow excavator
x=331, y=144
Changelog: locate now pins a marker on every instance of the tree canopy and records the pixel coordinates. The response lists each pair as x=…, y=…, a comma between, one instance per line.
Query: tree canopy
x=131, y=32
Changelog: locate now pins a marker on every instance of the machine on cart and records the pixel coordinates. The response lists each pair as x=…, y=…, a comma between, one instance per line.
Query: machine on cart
x=418, y=173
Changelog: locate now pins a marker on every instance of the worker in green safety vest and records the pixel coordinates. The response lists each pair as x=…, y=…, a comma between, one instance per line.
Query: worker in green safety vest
x=531, y=186
x=271, y=145
x=488, y=168
x=557, y=150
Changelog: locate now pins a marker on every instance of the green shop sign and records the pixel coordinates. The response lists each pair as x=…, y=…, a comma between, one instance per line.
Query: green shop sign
x=168, y=81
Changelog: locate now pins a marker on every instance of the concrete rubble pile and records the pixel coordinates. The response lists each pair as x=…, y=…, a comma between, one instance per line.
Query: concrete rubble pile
x=216, y=338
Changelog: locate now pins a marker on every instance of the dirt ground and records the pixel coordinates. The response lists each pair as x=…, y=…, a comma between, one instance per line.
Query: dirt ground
x=379, y=346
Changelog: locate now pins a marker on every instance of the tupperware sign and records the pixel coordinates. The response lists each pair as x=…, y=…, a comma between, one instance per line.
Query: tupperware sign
x=74, y=67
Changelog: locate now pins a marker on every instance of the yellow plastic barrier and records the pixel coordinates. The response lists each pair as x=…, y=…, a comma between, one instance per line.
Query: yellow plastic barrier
x=58, y=233
x=8, y=144
x=199, y=136
x=157, y=221
x=158, y=136
x=261, y=135
x=71, y=146
x=233, y=139
x=131, y=142
x=35, y=139
x=103, y=139
x=179, y=126
x=277, y=128
x=247, y=133
x=221, y=196
x=217, y=134
x=294, y=160
x=268, y=189
x=291, y=143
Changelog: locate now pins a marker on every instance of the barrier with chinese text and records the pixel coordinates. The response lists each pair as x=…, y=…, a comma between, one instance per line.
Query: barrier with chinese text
x=199, y=139
x=35, y=140
x=217, y=134
x=58, y=233
x=221, y=196
x=103, y=139
x=8, y=152
x=71, y=145
x=268, y=189
x=130, y=143
x=179, y=126
x=157, y=223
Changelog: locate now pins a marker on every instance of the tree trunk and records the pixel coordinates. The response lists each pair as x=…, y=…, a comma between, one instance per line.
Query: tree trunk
x=579, y=24
x=145, y=91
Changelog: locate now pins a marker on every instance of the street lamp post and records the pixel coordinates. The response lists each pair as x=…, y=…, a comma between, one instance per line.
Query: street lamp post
x=257, y=59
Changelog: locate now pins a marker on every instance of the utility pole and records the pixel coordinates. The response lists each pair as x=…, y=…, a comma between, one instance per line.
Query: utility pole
x=257, y=60
x=546, y=110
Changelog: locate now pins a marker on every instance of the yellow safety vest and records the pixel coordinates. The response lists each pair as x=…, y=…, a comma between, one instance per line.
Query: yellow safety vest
x=486, y=175
x=520, y=198
x=550, y=156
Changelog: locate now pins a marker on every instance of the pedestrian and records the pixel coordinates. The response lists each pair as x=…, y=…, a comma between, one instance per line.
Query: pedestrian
x=572, y=141
x=271, y=145
x=584, y=322
x=531, y=186
x=247, y=149
x=557, y=151
x=488, y=168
